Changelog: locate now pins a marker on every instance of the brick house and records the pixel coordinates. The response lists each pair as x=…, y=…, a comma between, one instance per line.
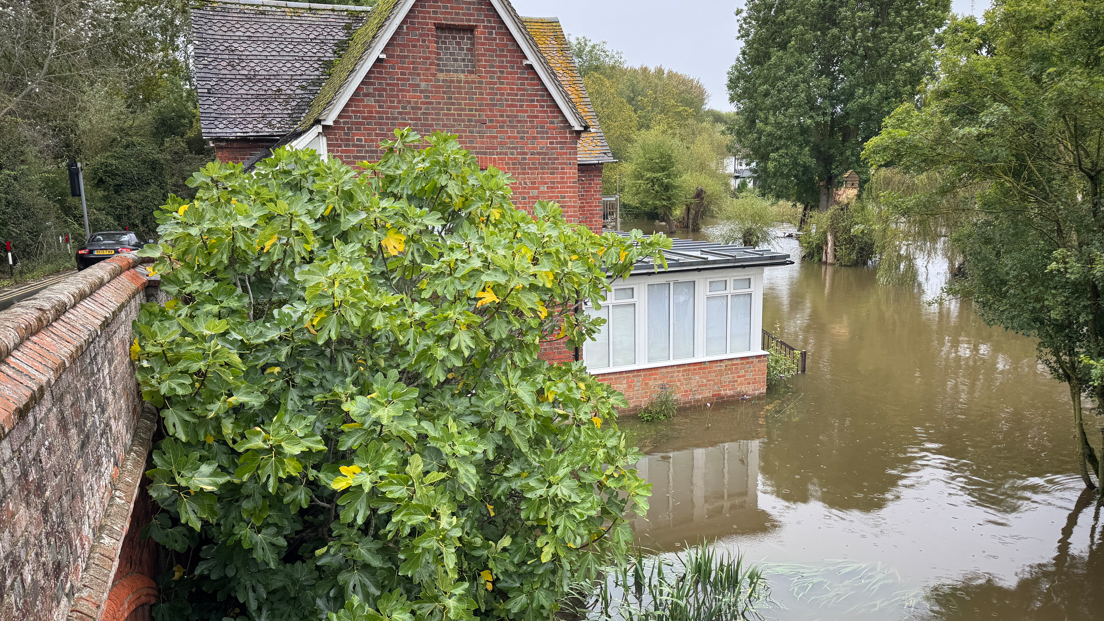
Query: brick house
x=341, y=79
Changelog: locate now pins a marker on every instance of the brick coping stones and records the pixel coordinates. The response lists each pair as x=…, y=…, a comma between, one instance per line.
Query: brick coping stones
x=43, y=335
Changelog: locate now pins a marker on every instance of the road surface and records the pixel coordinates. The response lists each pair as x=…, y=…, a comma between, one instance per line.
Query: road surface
x=22, y=291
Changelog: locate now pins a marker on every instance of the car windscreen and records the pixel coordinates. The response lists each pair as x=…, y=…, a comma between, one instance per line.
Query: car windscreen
x=109, y=238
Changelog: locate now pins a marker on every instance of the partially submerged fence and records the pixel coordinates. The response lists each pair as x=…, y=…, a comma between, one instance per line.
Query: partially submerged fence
x=772, y=343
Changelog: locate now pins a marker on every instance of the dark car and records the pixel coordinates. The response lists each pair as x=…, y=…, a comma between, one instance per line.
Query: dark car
x=106, y=244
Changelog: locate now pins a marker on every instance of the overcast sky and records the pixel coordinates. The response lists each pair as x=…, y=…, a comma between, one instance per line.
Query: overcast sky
x=696, y=37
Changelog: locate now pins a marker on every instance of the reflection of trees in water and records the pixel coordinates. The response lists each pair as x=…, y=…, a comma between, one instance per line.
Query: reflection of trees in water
x=1067, y=588
x=896, y=385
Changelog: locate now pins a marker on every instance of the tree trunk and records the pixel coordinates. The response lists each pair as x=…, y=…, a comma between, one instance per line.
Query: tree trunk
x=699, y=209
x=1084, y=449
x=672, y=228
x=825, y=195
x=830, y=248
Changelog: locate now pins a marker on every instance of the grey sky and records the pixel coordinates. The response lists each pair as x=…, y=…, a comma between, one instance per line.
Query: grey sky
x=695, y=37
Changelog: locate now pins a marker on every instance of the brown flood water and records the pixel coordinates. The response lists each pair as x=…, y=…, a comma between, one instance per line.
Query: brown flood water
x=921, y=469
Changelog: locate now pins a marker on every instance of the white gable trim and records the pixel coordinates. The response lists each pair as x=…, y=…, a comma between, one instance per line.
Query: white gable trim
x=366, y=64
x=567, y=107
x=375, y=52
x=309, y=136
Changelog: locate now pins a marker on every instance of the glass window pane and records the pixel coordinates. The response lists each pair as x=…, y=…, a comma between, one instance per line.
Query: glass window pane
x=717, y=285
x=716, y=319
x=623, y=294
x=623, y=334
x=741, y=283
x=596, y=352
x=659, y=322
x=682, y=321
x=739, y=331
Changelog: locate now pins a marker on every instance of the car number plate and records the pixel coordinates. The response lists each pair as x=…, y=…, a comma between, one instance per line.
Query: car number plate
x=104, y=252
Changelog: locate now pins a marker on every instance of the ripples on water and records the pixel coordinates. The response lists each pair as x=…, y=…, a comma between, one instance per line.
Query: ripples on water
x=921, y=470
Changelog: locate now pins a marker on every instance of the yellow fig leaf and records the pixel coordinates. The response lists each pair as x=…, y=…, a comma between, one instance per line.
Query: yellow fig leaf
x=545, y=278
x=319, y=316
x=597, y=421
x=490, y=509
x=272, y=370
x=329, y=208
x=171, y=304
x=350, y=471
x=489, y=585
x=210, y=439
x=541, y=310
x=182, y=209
x=486, y=575
x=624, y=253
x=178, y=572
x=394, y=242
x=268, y=244
x=495, y=214
x=341, y=483
x=135, y=350
x=486, y=297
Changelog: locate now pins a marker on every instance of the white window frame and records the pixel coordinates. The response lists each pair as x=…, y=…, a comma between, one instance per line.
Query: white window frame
x=701, y=279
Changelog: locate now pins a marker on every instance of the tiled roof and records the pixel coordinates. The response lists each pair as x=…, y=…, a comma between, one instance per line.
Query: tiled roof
x=345, y=69
x=268, y=69
x=553, y=45
x=260, y=63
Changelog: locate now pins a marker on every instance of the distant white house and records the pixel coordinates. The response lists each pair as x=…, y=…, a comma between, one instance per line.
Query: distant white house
x=739, y=169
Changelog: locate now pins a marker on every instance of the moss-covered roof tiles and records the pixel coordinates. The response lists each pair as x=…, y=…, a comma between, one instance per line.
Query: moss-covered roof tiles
x=346, y=67
x=259, y=63
x=550, y=39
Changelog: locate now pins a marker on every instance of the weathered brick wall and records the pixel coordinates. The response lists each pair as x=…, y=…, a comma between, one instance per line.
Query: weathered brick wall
x=693, y=384
x=590, y=196
x=69, y=406
x=239, y=150
x=502, y=111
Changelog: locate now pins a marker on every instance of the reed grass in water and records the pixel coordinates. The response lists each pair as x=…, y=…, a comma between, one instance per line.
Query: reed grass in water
x=699, y=585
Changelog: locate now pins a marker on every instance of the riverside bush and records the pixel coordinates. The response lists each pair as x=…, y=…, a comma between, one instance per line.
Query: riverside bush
x=661, y=407
x=358, y=422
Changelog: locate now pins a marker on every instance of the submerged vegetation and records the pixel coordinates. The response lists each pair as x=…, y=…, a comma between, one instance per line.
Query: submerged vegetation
x=700, y=585
x=661, y=407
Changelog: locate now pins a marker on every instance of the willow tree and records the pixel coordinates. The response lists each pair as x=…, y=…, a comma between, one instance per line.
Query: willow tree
x=814, y=80
x=1015, y=115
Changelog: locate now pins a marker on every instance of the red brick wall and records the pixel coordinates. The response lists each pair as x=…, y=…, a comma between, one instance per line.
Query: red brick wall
x=69, y=407
x=590, y=196
x=693, y=384
x=239, y=150
x=502, y=113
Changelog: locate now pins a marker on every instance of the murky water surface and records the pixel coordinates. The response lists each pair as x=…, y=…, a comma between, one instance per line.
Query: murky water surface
x=921, y=470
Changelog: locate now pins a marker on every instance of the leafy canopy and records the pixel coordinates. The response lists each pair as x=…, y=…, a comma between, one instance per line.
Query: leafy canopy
x=815, y=79
x=1015, y=120
x=358, y=419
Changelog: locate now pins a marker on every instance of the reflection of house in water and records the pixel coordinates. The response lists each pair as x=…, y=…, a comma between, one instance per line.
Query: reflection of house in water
x=701, y=494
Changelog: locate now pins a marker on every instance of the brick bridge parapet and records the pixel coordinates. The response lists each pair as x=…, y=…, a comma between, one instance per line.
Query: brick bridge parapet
x=74, y=443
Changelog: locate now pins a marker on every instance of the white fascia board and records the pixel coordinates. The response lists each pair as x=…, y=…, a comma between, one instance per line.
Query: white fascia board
x=302, y=141
x=566, y=107
x=370, y=58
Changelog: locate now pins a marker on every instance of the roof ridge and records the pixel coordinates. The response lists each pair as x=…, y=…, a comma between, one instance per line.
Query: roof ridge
x=543, y=19
x=293, y=5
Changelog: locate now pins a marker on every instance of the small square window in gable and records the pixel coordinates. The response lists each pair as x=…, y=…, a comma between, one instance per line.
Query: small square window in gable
x=455, y=50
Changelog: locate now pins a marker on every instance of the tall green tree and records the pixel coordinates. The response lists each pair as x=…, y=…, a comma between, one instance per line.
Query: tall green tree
x=1015, y=118
x=357, y=411
x=654, y=180
x=815, y=78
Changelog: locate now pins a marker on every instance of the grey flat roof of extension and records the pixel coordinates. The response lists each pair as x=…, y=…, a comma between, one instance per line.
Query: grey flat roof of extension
x=687, y=254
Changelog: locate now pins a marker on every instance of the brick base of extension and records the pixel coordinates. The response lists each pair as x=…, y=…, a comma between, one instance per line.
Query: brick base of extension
x=693, y=384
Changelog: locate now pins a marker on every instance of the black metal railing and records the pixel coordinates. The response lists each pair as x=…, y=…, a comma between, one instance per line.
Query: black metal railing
x=772, y=342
